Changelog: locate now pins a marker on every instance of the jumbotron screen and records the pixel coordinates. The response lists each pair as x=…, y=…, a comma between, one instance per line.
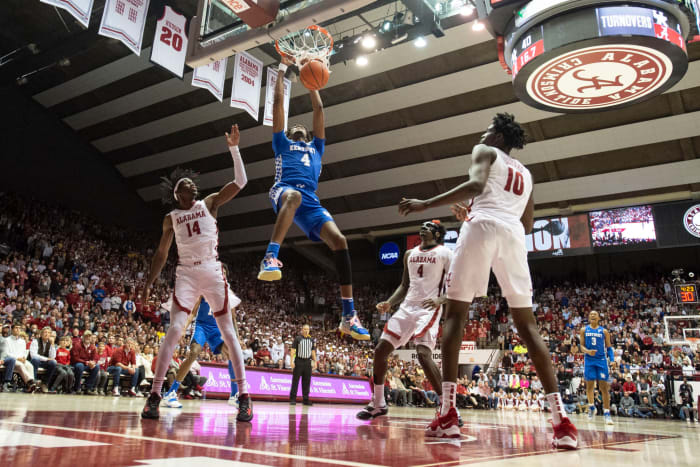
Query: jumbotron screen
x=626, y=227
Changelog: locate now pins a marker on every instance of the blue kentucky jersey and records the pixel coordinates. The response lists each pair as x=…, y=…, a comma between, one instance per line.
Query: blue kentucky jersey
x=204, y=315
x=297, y=163
x=595, y=340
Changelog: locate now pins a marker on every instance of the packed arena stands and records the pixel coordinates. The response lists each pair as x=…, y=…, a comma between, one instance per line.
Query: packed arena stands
x=66, y=273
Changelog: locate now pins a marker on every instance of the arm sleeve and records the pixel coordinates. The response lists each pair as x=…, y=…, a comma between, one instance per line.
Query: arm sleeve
x=611, y=354
x=280, y=142
x=239, y=176
x=320, y=145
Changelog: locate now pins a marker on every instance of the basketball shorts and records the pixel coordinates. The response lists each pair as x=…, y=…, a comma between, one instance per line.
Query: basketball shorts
x=310, y=216
x=413, y=322
x=206, y=280
x=207, y=334
x=596, y=370
x=483, y=245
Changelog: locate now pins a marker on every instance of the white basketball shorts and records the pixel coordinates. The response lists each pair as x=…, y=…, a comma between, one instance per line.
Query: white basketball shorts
x=412, y=321
x=206, y=280
x=483, y=245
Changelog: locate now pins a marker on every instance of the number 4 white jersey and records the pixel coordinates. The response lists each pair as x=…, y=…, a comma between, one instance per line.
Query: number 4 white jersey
x=506, y=193
x=196, y=234
x=426, y=271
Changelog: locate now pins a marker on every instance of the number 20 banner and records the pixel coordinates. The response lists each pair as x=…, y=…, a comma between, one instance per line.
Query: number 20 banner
x=125, y=20
x=170, y=44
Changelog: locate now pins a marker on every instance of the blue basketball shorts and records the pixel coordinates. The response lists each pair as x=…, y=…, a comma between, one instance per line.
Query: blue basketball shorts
x=596, y=370
x=207, y=334
x=310, y=216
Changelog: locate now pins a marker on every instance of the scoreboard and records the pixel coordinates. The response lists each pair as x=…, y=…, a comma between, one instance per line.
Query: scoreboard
x=687, y=293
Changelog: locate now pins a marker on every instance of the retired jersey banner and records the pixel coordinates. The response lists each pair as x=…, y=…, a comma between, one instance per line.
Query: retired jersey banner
x=170, y=44
x=270, y=97
x=247, y=81
x=211, y=77
x=125, y=20
x=79, y=9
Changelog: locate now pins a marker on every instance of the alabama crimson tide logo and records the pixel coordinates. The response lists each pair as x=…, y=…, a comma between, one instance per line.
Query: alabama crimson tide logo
x=691, y=220
x=599, y=77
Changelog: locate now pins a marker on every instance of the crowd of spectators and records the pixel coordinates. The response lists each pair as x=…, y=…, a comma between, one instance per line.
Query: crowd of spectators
x=70, y=296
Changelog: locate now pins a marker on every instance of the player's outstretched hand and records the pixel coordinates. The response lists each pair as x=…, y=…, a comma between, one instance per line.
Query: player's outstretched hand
x=286, y=60
x=384, y=307
x=431, y=303
x=407, y=206
x=460, y=211
x=234, y=137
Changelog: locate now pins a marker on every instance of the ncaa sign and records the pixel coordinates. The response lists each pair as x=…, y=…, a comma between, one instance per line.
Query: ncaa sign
x=389, y=253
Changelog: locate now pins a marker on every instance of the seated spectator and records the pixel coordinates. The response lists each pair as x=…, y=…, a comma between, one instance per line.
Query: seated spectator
x=626, y=405
x=569, y=402
x=6, y=359
x=644, y=409
x=17, y=349
x=43, y=355
x=104, y=356
x=64, y=372
x=399, y=394
x=660, y=404
x=84, y=358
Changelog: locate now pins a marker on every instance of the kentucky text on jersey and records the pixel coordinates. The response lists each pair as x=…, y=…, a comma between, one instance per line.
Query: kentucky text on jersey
x=190, y=217
x=297, y=163
x=595, y=340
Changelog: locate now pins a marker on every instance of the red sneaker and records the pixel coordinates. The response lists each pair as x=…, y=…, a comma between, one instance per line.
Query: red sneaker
x=565, y=435
x=446, y=426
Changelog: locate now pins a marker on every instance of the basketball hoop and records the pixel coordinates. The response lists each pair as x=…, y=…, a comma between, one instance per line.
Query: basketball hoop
x=311, y=43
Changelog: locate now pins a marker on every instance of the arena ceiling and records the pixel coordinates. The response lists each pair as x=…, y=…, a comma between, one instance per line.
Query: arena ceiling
x=402, y=126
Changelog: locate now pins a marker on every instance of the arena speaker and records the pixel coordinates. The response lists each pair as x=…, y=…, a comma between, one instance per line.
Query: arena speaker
x=578, y=56
x=254, y=13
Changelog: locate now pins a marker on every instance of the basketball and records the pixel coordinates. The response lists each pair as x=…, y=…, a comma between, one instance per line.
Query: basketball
x=314, y=75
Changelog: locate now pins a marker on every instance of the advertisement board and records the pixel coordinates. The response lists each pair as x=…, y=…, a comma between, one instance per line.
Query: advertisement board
x=276, y=384
x=390, y=251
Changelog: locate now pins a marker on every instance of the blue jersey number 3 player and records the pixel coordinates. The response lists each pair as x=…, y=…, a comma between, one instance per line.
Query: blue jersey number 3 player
x=293, y=197
x=595, y=344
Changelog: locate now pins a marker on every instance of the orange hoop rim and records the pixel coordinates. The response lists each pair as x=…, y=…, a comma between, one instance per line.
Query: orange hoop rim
x=313, y=27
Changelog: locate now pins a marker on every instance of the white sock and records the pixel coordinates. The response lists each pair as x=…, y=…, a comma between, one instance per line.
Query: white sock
x=557, y=406
x=449, y=397
x=606, y=411
x=378, y=397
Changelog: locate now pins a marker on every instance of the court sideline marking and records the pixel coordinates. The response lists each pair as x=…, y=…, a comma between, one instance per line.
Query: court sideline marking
x=194, y=444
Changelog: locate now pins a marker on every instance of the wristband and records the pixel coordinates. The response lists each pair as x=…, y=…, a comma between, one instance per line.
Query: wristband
x=282, y=68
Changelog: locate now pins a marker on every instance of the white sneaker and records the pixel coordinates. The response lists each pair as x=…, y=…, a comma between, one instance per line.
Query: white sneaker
x=233, y=400
x=608, y=419
x=171, y=401
x=115, y=392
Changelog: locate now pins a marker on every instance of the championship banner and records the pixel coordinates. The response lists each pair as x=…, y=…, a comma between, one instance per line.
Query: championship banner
x=247, y=81
x=79, y=9
x=125, y=20
x=270, y=97
x=212, y=77
x=170, y=44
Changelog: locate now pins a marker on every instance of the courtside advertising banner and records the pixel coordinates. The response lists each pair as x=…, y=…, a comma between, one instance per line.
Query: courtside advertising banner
x=212, y=77
x=79, y=9
x=270, y=97
x=247, y=81
x=269, y=383
x=170, y=43
x=125, y=20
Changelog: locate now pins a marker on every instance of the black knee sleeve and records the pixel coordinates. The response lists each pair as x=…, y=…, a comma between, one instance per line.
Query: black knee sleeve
x=342, y=265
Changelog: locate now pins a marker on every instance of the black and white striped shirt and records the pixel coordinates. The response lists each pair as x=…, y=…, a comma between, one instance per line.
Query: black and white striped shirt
x=303, y=346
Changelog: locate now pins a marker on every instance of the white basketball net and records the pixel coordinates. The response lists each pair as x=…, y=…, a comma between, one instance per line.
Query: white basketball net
x=312, y=43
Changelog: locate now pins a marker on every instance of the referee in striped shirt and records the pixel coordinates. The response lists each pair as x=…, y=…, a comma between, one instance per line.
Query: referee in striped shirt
x=303, y=352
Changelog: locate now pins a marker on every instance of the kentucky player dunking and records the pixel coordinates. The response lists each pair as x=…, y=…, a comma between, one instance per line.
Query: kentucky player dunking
x=595, y=344
x=199, y=272
x=418, y=317
x=293, y=198
x=493, y=236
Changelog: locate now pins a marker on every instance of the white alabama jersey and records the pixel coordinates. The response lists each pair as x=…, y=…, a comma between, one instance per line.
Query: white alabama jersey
x=506, y=193
x=426, y=271
x=196, y=234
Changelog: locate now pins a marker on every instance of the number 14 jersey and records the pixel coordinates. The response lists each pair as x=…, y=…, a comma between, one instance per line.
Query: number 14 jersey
x=506, y=193
x=196, y=234
x=426, y=272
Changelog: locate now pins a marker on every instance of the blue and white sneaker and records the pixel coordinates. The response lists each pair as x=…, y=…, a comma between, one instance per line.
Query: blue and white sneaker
x=270, y=269
x=591, y=412
x=608, y=419
x=352, y=326
x=233, y=400
x=171, y=400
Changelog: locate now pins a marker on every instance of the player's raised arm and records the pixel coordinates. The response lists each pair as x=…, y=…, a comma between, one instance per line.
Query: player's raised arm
x=528, y=219
x=161, y=255
x=278, y=102
x=400, y=292
x=240, y=179
x=482, y=158
x=319, y=117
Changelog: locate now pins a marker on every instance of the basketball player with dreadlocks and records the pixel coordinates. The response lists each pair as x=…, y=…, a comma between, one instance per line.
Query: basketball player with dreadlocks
x=493, y=236
x=293, y=197
x=418, y=318
x=199, y=272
